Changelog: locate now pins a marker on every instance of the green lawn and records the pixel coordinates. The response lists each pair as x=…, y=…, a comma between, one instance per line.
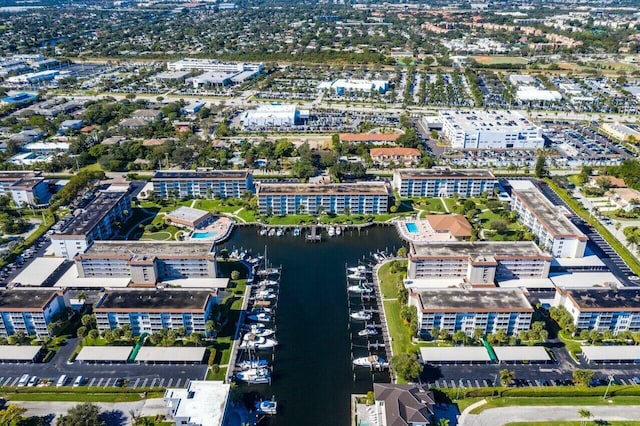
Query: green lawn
x=399, y=332
x=388, y=279
x=572, y=345
x=220, y=375
x=84, y=395
x=577, y=423
x=556, y=400
x=157, y=236
x=226, y=206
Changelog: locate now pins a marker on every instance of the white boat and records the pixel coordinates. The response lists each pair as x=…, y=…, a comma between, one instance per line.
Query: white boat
x=357, y=270
x=261, y=311
x=268, y=283
x=296, y=232
x=234, y=254
x=357, y=276
x=378, y=257
x=331, y=231
x=243, y=254
x=280, y=232
x=253, y=363
x=254, y=376
x=361, y=316
x=251, y=341
x=260, y=317
x=266, y=295
x=271, y=232
x=338, y=230
x=370, y=361
x=269, y=271
x=267, y=407
x=368, y=331
x=261, y=331
x=360, y=288
x=263, y=231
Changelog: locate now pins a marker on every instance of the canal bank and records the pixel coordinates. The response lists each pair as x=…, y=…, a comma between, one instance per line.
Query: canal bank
x=313, y=378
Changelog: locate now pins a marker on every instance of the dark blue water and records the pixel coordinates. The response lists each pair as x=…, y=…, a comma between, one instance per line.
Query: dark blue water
x=313, y=379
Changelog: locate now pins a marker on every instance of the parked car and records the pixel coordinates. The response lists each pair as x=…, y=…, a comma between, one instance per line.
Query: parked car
x=78, y=381
x=33, y=381
x=62, y=381
x=24, y=379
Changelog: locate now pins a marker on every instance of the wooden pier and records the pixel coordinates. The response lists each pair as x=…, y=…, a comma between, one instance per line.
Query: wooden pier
x=235, y=347
x=313, y=236
x=383, y=320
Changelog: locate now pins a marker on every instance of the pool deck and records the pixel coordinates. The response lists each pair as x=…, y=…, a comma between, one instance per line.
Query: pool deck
x=222, y=228
x=425, y=232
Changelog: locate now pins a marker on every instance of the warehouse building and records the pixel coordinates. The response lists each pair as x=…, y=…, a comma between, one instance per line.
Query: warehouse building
x=285, y=115
x=346, y=86
x=443, y=182
x=202, y=183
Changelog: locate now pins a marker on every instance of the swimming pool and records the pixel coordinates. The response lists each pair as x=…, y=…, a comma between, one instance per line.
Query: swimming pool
x=412, y=228
x=203, y=235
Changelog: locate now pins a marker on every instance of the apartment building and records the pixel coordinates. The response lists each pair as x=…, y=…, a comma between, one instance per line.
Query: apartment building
x=480, y=263
x=202, y=183
x=443, y=182
x=97, y=221
x=149, y=311
x=338, y=198
x=29, y=310
x=497, y=130
x=405, y=157
x=25, y=188
x=548, y=222
x=602, y=308
x=466, y=310
x=147, y=262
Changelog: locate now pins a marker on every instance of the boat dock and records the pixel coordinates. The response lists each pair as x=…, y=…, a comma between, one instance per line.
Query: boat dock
x=386, y=337
x=313, y=236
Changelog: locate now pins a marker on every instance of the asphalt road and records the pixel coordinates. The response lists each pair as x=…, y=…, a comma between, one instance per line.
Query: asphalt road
x=502, y=416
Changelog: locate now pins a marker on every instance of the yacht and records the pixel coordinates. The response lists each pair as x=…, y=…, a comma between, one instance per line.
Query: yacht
x=280, y=232
x=368, y=331
x=267, y=407
x=268, y=283
x=260, y=317
x=269, y=271
x=253, y=363
x=265, y=295
x=272, y=232
x=296, y=232
x=338, y=230
x=357, y=270
x=358, y=276
x=370, y=361
x=379, y=257
x=360, y=289
x=263, y=231
x=331, y=231
x=251, y=341
x=361, y=316
x=261, y=331
x=254, y=376
x=234, y=254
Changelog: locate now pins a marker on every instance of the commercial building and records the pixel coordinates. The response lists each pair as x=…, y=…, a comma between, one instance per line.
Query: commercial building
x=149, y=311
x=467, y=310
x=285, y=115
x=602, y=308
x=202, y=403
x=18, y=99
x=370, y=138
x=405, y=157
x=338, y=198
x=479, y=263
x=535, y=94
x=29, y=310
x=189, y=217
x=96, y=222
x=342, y=86
x=497, y=130
x=443, y=182
x=547, y=222
x=622, y=131
x=147, y=262
x=202, y=183
x=404, y=404
x=191, y=64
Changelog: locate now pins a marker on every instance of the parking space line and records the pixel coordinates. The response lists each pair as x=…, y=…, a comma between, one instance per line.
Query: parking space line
x=453, y=384
x=161, y=382
x=169, y=382
x=91, y=382
x=469, y=385
x=178, y=382
x=100, y=382
x=106, y=384
x=153, y=382
x=486, y=385
x=16, y=380
x=135, y=385
x=144, y=384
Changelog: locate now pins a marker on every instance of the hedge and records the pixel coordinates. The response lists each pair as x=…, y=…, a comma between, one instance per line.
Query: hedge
x=550, y=391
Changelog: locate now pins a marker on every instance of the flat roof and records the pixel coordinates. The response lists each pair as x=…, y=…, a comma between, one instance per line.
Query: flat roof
x=86, y=221
x=611, y=353
x=153, y=301
x=587, y=260
x=585, y=279
x=21, y=300
x=475, y=300
x=454, y=354
x=203, y=402
x=593, y=299
x=70, y=279
x=482, y=121
x=549, y=215
x=200, y=174
x=477, y=250
x=38, y=271
x=521, y=353
x=146, y=250
x=445, y=173
x=196, y=282
x=171, y=354
x=18, y=353
x=430, y=283
x=362, y=188
x=529, y=283
x=16, y=175
x=187, y=214
x=104, y=353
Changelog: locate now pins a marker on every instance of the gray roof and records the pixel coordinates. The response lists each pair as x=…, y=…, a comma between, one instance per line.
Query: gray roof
x=92, y=215
x=405, y=404
x=104, y=353
x=521, y=353
x=611, y=353
x=153, y=301
x=454, y=354
x=365, y=188
x=170, y=354
x=445, y=173
x=18, y=353
x=593, y=299
x=147, y=250
x=478, y=249
x=477, y=300
x=200, y=174
x=187, y=213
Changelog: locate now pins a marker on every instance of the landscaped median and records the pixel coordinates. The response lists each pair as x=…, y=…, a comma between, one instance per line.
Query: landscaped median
x=577, y=423
x=80, y=394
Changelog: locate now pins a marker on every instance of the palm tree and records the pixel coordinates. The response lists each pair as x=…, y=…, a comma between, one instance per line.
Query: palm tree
x=584, y=416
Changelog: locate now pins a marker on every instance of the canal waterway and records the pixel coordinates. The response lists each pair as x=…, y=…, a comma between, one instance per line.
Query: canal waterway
x=313, y=378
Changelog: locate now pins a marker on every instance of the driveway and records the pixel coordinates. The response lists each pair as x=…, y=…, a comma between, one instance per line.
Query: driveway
x=505, y=415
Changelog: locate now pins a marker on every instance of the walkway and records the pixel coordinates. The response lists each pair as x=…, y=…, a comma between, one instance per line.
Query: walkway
x=151, y=215
x=505, y=415
x=445, y=205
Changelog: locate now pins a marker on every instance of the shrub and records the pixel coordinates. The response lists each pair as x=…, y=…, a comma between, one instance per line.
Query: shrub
x=212, y=357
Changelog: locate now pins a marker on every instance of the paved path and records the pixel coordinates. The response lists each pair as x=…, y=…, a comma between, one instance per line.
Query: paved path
x=502, y=416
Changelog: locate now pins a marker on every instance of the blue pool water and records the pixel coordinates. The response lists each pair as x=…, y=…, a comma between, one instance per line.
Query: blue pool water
x=412, y=228
x=203, y=235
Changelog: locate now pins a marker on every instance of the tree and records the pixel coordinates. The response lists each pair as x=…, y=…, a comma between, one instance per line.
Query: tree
x=541, y=167
x=12, y=415
x=584, y=416
x=86, y=414
x=402, y=252
x=498, y=225
x=235, y=275
x=506, y=377
x=406, y=366
x=81, y=332
x=94, y=334
x=460, y=336
x=443, y=422
x=582, y=377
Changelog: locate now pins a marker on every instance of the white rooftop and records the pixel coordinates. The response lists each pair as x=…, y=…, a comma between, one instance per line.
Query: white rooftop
x=521, y=353
x=455, y=354
x=170, y=354
x=187, y=213
x=531, y=93
x=613, y=353
x=18, y=353
x=196, y=282
x=104, y=353
x=585, y=280
x=480, y=120
x=202, y=403
x=70, y=279
x=431, y=283
x=528, y=283
x=38, y=271
x=590, y=260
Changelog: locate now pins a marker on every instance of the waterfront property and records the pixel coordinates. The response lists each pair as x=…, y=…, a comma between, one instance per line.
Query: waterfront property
x=436, y=227
x=549, y=223
x=149, y=311
x=479, y=263
x=96, y=222
x=443, y=182
x=202, y=403
x=336, y=198
x=149, y=262
x=602, y=308
x=202, y=183
x=404, y=404
x=461, y=309
x=29, y=310
x=189, y=217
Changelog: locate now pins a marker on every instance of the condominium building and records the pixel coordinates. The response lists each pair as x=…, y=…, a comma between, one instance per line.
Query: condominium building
x=339, y=198
x=443, y=182
x=149, y=311
x=602, y=308
x=405, y=157
x=29, y=310
x=96, y=222
x=479, y=263
x=458, y=309
x=147, y=262
x=202, y=183
x=546, y=221
x=480, y=130
x=25, y=188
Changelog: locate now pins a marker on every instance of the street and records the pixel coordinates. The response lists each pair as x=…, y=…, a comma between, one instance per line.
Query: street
x=505, y=415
